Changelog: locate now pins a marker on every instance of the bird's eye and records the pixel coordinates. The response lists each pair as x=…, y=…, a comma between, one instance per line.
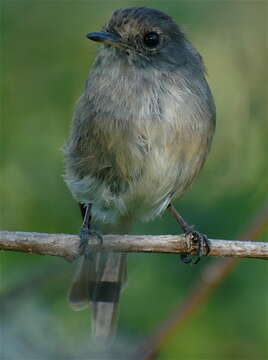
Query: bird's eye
x=151, y=39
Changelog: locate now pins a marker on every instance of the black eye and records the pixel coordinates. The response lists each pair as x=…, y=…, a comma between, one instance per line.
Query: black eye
x=151, y=39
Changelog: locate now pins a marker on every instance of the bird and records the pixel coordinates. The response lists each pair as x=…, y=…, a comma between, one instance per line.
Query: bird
x=140, y=134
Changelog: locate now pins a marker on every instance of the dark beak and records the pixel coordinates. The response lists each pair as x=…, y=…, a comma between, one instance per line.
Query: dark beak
x=105, y=37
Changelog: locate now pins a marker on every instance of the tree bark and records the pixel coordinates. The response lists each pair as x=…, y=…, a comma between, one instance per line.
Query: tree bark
x=67, y=246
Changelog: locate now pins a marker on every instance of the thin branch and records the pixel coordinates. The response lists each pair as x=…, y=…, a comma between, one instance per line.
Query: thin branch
x=67, y=246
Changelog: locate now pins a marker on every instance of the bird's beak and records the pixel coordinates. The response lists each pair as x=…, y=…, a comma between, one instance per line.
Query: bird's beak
x=105, y=37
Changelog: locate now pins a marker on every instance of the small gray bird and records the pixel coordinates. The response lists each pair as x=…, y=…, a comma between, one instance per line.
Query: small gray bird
x=140, y=135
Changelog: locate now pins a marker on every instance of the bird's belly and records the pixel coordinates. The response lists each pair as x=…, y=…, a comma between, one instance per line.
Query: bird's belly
x=168, y=171
x=164, y=172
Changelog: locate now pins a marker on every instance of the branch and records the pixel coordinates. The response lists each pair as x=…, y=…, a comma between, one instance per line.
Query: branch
x=67, y=246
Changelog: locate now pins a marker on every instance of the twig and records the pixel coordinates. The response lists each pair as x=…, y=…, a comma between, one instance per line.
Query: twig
x=208, y=281
x=68, y=245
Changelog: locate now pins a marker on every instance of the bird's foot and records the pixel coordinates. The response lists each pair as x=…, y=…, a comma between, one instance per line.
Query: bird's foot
x=199, y=243
x=87, y=234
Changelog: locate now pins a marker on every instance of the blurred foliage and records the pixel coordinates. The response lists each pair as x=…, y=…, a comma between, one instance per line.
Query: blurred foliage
x=45, y=59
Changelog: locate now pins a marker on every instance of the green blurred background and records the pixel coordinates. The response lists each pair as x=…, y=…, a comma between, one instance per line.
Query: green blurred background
x=45, y=59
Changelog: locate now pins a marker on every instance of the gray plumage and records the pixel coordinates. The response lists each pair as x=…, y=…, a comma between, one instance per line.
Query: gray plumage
x=143, y=127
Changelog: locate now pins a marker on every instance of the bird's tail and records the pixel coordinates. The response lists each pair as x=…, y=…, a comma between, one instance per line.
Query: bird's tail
x=105, y=297
x=98, y=282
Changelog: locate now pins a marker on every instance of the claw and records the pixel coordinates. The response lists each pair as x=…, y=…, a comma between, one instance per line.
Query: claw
x=196, y=237
x=86, y=234
x=186, y=258
x=202, y=247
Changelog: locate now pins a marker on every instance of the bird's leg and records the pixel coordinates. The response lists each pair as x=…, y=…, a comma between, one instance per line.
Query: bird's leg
x=86, y=231
x=198, y=238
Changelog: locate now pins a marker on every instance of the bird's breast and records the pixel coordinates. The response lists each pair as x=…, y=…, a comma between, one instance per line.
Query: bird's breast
x=148, y=139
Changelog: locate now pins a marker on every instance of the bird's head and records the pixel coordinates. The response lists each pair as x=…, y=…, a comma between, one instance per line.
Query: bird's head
x=143, y=37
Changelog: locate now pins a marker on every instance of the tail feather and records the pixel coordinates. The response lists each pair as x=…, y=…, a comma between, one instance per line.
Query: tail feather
x=98, y=282
x=105, y=296
x=83, y=283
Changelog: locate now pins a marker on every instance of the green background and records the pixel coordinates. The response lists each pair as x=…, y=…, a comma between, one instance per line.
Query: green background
x=45, y=59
